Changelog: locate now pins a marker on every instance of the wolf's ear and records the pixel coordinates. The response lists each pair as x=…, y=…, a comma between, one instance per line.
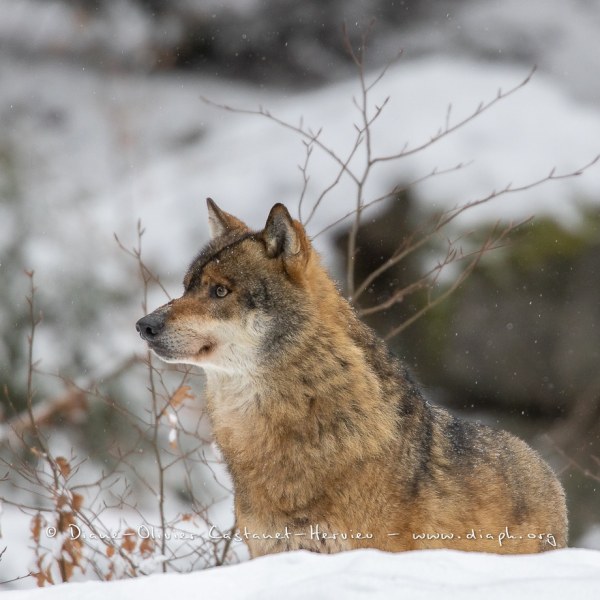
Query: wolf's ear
x=286, y=238
x=221, y=222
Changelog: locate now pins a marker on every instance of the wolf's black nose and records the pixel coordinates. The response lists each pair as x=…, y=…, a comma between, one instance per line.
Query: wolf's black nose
x=150, y=326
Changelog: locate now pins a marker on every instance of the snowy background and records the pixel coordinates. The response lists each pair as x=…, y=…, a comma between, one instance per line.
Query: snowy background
x=102, y=125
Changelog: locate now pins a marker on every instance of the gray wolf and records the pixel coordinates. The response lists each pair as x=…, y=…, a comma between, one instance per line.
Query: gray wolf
x=330, y=443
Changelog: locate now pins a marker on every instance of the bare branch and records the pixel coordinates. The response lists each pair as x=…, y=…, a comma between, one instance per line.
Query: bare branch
x=431, y=303
x=448, y=129
x=305, y=177
x=450, y=215
x=394, y=192
x=572, y=463
x=309, y=136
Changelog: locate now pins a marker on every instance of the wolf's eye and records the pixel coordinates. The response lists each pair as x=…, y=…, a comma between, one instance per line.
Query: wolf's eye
x=219, y=291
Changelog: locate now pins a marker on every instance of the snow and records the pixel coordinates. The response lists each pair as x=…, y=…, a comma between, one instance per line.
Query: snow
x=125, y=34
x=361, y=574
x=558, y=36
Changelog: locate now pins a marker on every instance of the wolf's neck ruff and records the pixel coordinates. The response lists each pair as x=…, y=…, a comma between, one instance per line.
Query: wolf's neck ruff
x=321, y=426
x=314, y=378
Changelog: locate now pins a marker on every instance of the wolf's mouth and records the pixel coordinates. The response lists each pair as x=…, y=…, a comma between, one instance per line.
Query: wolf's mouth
x=158, y=349
x=167, y=350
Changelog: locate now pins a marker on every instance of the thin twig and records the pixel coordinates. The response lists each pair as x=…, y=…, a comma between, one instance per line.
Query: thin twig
x=448, y=129
x=433, y=302
x=447, y=217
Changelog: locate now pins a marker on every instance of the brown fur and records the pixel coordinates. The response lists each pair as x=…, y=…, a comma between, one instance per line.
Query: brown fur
x=322, y=428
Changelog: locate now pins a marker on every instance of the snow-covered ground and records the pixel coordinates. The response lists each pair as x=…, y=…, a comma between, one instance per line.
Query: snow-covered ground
x=362, y=574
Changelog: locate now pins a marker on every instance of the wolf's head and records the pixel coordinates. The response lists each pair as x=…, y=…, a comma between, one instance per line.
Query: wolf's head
x=245, y=295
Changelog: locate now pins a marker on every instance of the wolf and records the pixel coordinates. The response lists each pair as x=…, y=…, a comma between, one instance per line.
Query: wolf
x=330, y=443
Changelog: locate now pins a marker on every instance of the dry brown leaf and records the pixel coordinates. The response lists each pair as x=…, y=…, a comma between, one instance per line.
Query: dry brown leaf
x=146, y=547
x=73, y=549
x=36, y=526
x=129, y=540
x=77, y=502
x=64, y=466
x=67, y=570
x=180, y=395
x=64, y=520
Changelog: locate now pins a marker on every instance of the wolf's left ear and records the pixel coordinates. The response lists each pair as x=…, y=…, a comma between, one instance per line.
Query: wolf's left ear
x=284, y=237
x=221, y=222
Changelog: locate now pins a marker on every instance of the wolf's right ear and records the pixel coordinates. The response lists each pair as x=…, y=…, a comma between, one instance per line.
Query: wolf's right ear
x=221, y=222
x=285, y=238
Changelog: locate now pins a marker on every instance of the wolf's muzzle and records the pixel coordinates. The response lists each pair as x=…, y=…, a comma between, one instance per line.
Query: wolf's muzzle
x=150, y=326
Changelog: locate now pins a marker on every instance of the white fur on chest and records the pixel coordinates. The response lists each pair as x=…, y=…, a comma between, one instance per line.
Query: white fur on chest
x=229, y=397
